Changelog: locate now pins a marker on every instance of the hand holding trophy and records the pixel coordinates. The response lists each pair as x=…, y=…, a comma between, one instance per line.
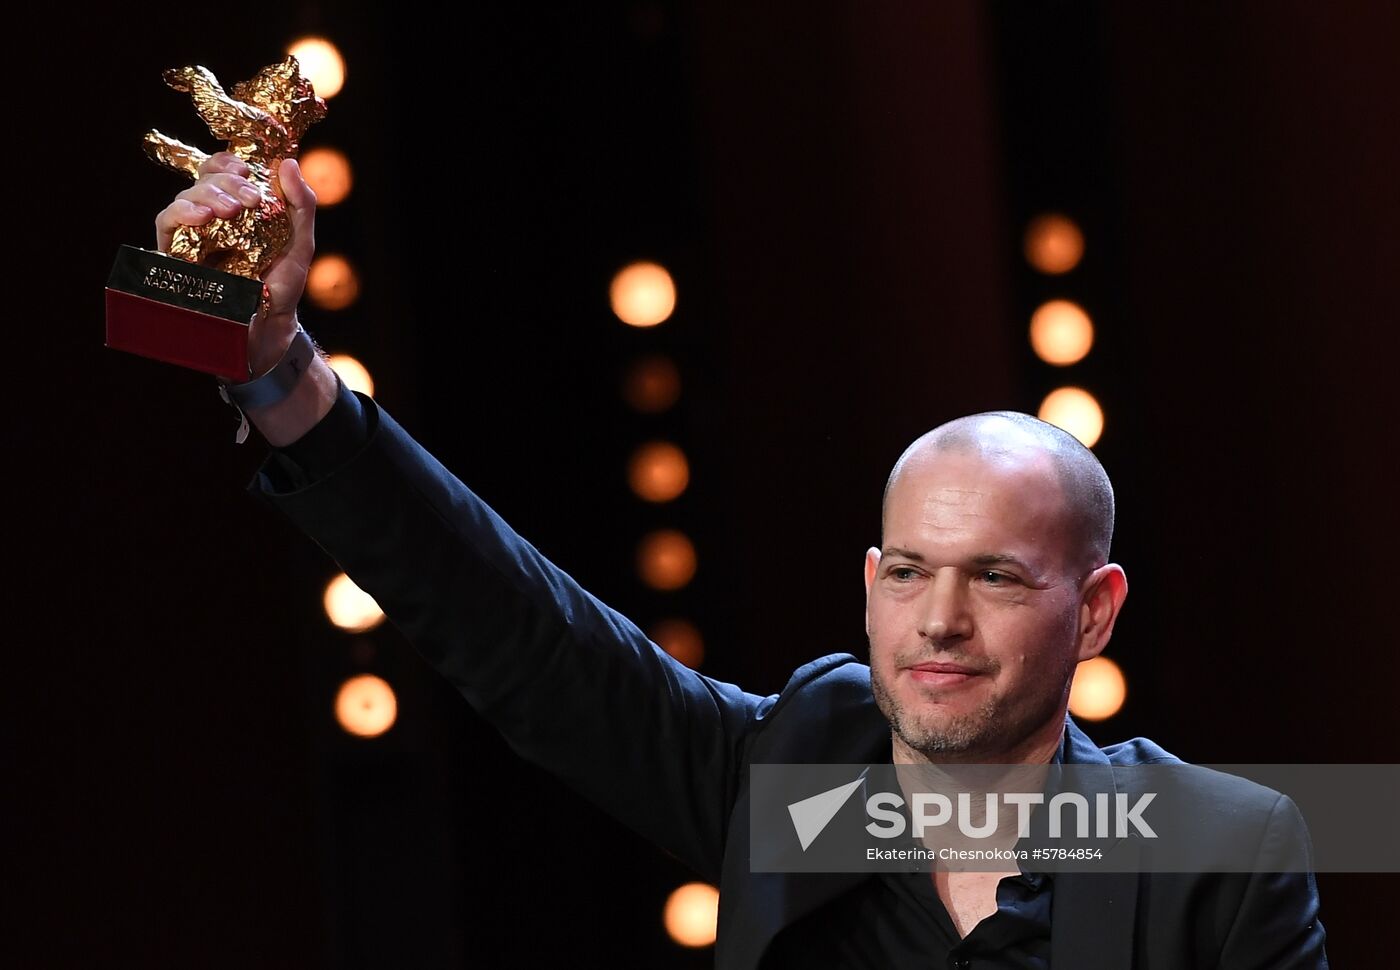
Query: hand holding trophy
x=225, y=188
x=239, y=241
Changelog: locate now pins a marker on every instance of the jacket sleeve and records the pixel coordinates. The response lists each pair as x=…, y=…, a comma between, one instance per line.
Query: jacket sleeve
x=571, y=684
x=1277, y=925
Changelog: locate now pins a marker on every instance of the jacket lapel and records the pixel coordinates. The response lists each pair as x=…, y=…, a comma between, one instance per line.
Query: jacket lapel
x=1093, y=913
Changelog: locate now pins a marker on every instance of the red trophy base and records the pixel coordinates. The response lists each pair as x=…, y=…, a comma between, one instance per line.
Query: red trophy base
x=168, y=309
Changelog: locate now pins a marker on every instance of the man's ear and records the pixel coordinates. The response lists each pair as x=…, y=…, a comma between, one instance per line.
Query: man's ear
x=1105, y=589
x=872, y=563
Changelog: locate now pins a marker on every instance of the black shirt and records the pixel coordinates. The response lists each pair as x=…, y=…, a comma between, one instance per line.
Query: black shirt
x=896, y=920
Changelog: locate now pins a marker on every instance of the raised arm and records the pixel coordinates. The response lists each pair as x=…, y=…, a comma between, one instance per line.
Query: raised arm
x=571, y=684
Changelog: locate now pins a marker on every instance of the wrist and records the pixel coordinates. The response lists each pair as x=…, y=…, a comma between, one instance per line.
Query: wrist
x=309, y=401
x=262, y=357
x=287, y=398
x=278, y=380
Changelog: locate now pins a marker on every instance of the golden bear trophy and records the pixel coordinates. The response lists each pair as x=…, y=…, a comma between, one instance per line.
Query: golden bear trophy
x=193, y=307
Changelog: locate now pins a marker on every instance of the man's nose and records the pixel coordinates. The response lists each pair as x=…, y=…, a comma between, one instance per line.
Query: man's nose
x=944, y=616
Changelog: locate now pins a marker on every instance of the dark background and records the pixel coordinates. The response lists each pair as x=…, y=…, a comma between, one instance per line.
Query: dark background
x=839, y=191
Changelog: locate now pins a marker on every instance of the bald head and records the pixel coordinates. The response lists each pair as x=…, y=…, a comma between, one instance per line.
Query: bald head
x=1010, y=435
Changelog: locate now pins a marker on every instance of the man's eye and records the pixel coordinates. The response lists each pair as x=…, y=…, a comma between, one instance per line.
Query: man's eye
x=993, y=578
x=903, y=574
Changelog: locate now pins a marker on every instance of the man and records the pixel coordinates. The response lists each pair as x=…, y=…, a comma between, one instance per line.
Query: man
x=991, y=583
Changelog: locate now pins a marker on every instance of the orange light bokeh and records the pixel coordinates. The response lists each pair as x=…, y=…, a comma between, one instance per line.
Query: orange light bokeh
x=643, y=294
x=1076, y=411
x=349, y=607
x=321, y=64
x=365, y=706
x=353, y=373
x=1053, y=243
x=681, y=640
x=692, y=913
x=1098, y=690
x=652, y=384
x=666, y=559
x=658, y=471
x=327, y=171
x=1061, y=332
x=332, y=283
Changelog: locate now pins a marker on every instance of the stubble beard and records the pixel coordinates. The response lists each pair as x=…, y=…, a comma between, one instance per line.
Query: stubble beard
x=988, y=731
x=937, y=733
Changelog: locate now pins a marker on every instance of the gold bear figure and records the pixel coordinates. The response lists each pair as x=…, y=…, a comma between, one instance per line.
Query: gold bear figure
x=263, y=123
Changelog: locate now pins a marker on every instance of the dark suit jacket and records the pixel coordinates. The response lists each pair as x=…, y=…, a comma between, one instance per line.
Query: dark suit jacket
x=578, y=689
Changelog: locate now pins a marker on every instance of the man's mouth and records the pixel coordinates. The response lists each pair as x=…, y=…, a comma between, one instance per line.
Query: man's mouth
x=943, y=674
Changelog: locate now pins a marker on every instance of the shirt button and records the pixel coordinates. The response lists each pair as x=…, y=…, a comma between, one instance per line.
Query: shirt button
x=961, y=964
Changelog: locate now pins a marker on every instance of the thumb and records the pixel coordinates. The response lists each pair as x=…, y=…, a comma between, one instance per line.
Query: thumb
x=298, y=194
x=301, y=202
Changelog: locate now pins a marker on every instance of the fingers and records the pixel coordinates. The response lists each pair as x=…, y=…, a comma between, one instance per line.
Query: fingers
x=216, y=194
x=181, y=212
x=223, y=162
x=225, y=194
x=224, y=190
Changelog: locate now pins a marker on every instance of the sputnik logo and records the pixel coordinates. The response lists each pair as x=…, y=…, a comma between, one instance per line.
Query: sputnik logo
x=811, y=815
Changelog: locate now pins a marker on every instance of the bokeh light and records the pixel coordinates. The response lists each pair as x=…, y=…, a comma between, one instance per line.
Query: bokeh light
x=1098, y=689
x=332, y=283
x=652, y=384
x=1075, y=410
x=692, y=913
x=353, y=373
x=327, y=171
x=666, y=559
x=349, y=607
x=365, y=706
x=1053, y=243
x=680, y=639
x=321, y=64
x=643, y=294
x=1061, y=332
x=658, y=471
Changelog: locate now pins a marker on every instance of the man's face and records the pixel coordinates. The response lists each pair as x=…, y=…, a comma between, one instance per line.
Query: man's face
x=972, y=609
